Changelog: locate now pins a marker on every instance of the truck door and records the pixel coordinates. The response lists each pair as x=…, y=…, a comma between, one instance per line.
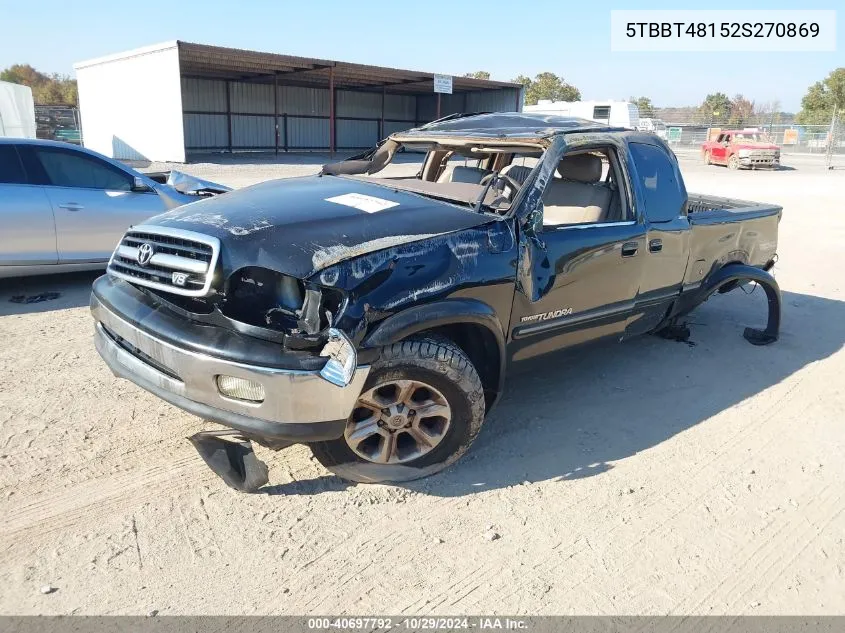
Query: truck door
x=27, y=229
x=581, y=253
x=661, y=198
x=719, y=153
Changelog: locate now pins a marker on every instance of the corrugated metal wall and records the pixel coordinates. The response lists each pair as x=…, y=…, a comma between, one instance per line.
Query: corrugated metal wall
x=304, y=115
x=505, y=100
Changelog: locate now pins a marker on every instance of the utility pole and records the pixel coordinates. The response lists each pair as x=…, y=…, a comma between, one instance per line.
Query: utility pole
x=831, y=139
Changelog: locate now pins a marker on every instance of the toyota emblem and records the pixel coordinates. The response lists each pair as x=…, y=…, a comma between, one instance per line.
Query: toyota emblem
x=145, y=253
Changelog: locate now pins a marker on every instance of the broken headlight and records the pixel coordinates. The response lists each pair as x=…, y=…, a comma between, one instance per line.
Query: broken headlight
x=266, y=298
x=343, y=359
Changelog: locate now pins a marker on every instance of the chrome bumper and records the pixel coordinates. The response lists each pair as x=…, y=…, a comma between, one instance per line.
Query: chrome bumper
x=296, y=402
x=762, y=161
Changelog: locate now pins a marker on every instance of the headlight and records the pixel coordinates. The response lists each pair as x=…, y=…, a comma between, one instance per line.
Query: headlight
x=343, y=359
x=744, y=153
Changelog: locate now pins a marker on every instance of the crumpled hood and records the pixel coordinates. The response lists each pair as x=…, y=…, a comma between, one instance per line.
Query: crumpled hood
x=299, y=226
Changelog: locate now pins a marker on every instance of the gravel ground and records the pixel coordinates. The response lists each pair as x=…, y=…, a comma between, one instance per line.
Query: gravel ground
x=648, y=478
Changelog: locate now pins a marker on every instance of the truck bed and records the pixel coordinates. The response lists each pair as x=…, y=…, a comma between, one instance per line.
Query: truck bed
x=704, y=208
x=726, y=230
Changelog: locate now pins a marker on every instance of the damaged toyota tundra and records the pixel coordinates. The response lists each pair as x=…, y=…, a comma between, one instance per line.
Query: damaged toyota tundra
x=373, y=315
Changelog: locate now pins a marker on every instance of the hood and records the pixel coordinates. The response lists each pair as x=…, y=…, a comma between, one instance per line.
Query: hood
x=753, y=145
x=176, y=188
x=299, y=226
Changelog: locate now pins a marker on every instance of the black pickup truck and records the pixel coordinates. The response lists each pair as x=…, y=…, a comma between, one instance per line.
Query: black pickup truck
x=374, y=317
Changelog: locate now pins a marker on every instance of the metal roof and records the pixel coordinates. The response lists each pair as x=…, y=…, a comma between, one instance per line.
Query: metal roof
x=217, y=62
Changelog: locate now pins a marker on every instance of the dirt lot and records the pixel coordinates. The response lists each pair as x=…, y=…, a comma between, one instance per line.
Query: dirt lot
x=648, y=478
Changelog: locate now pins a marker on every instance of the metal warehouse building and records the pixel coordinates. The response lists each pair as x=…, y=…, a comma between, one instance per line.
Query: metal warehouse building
x=168, y=101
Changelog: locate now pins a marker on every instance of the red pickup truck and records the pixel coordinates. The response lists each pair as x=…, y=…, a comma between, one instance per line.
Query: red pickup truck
x=741, y=148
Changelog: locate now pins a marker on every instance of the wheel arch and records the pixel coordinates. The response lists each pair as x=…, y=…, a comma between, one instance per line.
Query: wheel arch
x=471, y=324
x=729, y=276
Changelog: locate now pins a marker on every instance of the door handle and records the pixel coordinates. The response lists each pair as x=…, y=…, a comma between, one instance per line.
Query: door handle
x=655, y=246
x=71, y=206
x=629, y=249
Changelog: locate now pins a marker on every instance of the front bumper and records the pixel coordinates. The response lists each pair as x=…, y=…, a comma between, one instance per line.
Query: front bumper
x=759, y=161
x=299, y=405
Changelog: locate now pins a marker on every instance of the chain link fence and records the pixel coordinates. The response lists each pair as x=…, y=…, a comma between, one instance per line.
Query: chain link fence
x=58, y=123
x=826, y=140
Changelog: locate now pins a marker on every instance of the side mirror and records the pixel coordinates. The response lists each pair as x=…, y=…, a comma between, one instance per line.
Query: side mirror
x=139, y=186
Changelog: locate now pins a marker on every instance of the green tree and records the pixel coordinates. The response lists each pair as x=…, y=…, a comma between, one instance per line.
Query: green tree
x=715, y=108
x=478, y=74
x=741, y=111
x=835, y=83
x=53, y=89
x=547, y=85
x=817, y=105
x=644, y=105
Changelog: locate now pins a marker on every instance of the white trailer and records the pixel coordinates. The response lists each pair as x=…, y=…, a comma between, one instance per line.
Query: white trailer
x=17, y=111
x=614, y=113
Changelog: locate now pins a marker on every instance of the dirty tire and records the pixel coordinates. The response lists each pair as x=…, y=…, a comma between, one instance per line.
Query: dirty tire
x=443, y=365
x=706, y=158
x=733, y=162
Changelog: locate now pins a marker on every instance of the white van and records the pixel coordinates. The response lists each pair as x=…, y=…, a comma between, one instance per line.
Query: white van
x=17, y=111
x=655, y=126
x=613, y=113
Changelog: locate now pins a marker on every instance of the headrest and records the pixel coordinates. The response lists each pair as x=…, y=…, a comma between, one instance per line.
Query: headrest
x=473, y=175
x=519, y=173
x=580, y=167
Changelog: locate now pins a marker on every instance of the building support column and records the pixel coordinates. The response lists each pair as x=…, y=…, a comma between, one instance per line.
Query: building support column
x=229, y=114
x=381, y=122
x=276, y=109
x=438, y=106
x=331, y=111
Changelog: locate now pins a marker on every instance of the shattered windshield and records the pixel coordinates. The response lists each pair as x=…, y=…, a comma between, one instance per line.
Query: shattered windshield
x=752, y=137
x=486, y=176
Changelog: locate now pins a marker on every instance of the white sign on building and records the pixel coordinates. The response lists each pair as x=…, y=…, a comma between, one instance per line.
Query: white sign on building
x=443, y=83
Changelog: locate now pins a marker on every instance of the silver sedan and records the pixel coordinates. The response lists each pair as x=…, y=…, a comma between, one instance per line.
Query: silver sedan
x=64, y=208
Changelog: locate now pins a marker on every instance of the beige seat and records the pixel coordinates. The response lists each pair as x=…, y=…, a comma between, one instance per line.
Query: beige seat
x=461, y=173
x=519, y=173
x=577, y=197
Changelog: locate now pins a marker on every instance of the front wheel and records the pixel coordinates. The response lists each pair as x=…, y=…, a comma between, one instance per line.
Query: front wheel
x=421, y=408
x=733, y=162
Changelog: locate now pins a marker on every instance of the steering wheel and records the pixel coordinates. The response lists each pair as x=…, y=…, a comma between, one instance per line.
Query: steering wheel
x=513, y=183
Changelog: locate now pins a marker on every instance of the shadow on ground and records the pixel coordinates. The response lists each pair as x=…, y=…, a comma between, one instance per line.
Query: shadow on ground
x=73, y=289
x=571, y=415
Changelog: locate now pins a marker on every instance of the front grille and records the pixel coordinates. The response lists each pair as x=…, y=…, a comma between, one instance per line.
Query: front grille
x=171, y=260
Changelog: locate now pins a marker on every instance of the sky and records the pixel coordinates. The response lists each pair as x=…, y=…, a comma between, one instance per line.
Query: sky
x=506, y=38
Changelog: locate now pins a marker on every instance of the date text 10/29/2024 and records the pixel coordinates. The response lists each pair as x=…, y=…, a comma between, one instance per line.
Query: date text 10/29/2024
x=418, y=624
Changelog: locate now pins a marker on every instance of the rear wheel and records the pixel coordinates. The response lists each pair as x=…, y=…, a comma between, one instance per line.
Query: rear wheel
x=421, y=408
x=733, y=162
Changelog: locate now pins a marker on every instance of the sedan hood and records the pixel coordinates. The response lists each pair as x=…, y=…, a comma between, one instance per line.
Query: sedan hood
x=299, y=226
